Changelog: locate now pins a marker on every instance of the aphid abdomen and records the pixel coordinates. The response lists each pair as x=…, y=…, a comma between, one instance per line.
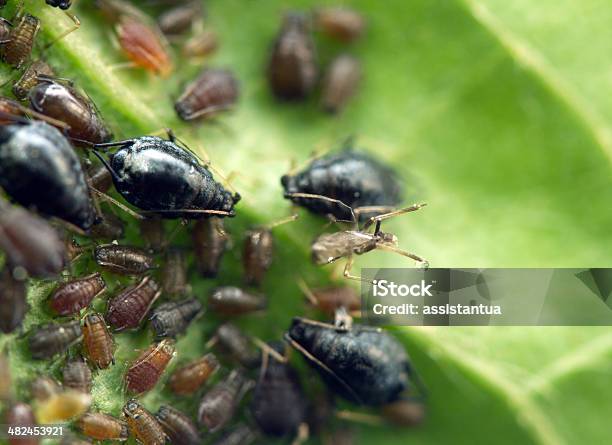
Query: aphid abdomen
x=128, y=309
x=173, y=318
x=125, y=260
x=209, y=243
x=212, y=91
x=148, y=368
x=97, y=341
x=218, y=405
x=189, y=378
x=101, y=426
x=54, y=338
x=178, y=427
x=21, y=41
x=69, y=298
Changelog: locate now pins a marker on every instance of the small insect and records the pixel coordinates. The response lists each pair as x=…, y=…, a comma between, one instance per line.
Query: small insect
x=173, y=318
x=99, y=177
x=44, y=387
x=152, y=232
x=292, y=70
x=13, y=304
x=39, y=168
x=178, y=427
x=144, y=44
x=77, y=375
x=61, y=101
x=405, y=412
x=232, y=300
x=62, y=406
x=191, y=377
x=32, y=75
x=340, y=23
x=218, y=405
x=353, y=177
x=362, y=364
x=100, y=426
x=73, y=249
x=124, y=260
x=144, y=373
x=130, y=307
x=330, y=299
x=108, y=227
x=279, y=405
x=258, y=251
x=340, y=82
x=330, y=247
x=236, y=344
x=18, y=49
x=19, y=414
x=98, y=344
x=210, y=240
x=241, y=434
x=183, y=187
x=143, y=425
x=174, y=272
x=214, y=90
x=53, y=339
x=200, y=45
x=180, y=18
x=30, y=243
x=72, y=296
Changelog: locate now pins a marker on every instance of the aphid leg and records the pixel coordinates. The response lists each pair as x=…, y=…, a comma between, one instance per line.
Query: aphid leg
x=423, y=263
x=323, y=366
x=310, y=296
x=282, y=221
x=209, y=110
x=112, y=200
x=211, y=343
x=324, y=198
x=267, y=350
x=76, y=24
x=379, y=218
x=368, y=419
x=373, y=209
x=125, y=142
x=347, y=271
x=302, y=434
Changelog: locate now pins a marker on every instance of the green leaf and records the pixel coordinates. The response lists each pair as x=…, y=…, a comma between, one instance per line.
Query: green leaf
x=495, y=113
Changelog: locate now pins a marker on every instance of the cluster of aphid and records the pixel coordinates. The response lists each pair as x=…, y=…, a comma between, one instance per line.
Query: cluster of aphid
x=58, y=197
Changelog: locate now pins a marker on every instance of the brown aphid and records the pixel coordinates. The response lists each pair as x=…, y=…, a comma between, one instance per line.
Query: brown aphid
x=144, y=373
x=130, y=307
x=174, y=273
x=99, y=177
x=340, y=23
x=143, y=425
x=110, y=227
x=189, y=378
x=200, y=45
x=210, y=241
x=257, y=254
x=44, y=387
x=100, y=426
x=18, y=49
x=214, y=90
x=124, y=260
x=21, y=414
x=178, y=427
x=73, y=249
x=232, y=341
x=340, y=83
x=72, y=296
x=98, y=344
x=292, y=70
x=144, y=45
x=241, y=434
x=153, y=233
x=31, y=77
x=30, y=243
x=180, y=18
x=77, y=375
x=13, y=304
x=405, y=412
x=232, y=300
x=52, y=339
x=218, y=405
x=330, y=299
x=61, y=101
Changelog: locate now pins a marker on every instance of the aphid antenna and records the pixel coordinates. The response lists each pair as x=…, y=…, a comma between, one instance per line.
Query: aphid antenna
x=379, y=218
x=268, y=351
x=112, y=200
x=282, y=221
x=364, y=418
x=76, y=24
x=318, y=362
x=423, y=262
x=325, y=198
x=310, y=296
x=230, y=214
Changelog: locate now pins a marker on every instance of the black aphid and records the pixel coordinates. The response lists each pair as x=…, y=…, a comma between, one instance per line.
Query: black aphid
x=357, y=179
x=39, y=168
x=159, y=176
x=13, y=304
x=53, y=339
x=363, y=364
x=173, y=318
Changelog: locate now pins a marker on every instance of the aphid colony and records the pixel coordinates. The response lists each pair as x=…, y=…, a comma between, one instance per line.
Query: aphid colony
x=66, y=179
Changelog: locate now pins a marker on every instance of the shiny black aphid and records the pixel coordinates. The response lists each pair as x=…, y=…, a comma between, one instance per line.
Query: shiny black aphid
x=159, y=176
x=39, y=168
x=62, y=4
x=353, y=177
x=279, y=405
x=173, y=318
x=362, y=364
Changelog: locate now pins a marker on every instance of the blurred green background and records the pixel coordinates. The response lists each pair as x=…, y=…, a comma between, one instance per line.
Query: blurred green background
x=498, y=114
